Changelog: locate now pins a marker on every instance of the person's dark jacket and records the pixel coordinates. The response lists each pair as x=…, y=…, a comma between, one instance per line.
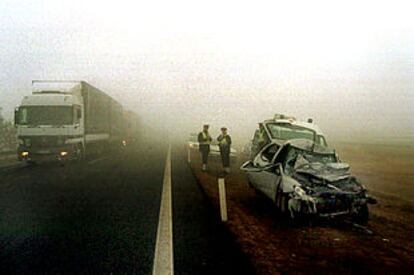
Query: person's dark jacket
x=204, y=140
x=224, y=143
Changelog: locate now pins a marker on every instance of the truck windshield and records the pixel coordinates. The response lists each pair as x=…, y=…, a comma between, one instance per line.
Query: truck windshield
x=45, y=115
x=287, y=131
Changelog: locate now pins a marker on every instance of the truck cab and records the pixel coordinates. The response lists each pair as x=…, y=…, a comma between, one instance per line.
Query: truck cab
x=50, y=122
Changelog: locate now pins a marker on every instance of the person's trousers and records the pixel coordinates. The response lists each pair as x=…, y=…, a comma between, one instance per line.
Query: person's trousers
x=225, y=157
x=204, y=154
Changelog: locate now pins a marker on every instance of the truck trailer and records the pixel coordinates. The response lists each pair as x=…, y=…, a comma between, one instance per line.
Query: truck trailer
x=131, y=127
x=65, y=120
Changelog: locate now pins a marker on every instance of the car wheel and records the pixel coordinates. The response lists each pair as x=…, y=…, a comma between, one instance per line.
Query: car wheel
x=281, y=200
x=282, y=204
x=362, y=215
x=249, y=183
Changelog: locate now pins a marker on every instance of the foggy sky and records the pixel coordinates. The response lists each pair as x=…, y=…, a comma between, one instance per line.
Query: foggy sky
x=350, y=66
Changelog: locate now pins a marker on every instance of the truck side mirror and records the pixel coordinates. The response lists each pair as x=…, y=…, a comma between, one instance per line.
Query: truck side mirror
x=16, y=117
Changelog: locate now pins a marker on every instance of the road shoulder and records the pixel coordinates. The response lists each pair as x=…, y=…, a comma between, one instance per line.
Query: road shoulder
x=202, y=245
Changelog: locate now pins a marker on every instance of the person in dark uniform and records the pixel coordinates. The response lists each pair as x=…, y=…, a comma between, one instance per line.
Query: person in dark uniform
x=225, y=144
x=204, y=141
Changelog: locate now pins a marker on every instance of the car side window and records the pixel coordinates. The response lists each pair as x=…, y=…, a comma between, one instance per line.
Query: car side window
x=290, y=160
x=322, y=141
x=280, y=158
x=270, y=152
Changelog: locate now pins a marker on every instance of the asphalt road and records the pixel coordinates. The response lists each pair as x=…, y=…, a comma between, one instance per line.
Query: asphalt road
x=202, y=245
x=100, y=216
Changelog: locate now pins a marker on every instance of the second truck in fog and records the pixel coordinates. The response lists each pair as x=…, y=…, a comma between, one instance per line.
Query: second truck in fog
x=67, y=119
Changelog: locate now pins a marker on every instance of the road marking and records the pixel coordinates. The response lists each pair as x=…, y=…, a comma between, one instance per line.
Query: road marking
x=222, y=196
x=163, y=257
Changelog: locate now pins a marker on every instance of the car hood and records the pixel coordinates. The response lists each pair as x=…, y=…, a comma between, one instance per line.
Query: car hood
x=330, y=172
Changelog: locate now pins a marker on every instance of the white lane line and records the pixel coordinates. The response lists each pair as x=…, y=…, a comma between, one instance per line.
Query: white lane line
x=164, y=258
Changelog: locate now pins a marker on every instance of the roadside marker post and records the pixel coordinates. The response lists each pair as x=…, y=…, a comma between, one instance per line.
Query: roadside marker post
x=188, y=154
x=222, y=196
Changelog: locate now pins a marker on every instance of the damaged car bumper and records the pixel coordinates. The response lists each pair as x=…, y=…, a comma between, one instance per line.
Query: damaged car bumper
x=326, y=205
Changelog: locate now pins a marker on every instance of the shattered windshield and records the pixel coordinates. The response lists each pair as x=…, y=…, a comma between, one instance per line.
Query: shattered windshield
x=287, y=131
x=46, y=115
x=297, y=158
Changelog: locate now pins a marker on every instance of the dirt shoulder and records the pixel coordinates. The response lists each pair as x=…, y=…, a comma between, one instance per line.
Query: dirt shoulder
x=275, y=247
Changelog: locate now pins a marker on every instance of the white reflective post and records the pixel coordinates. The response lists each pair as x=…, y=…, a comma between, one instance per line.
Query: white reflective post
x=222, y=195
x=188, y=154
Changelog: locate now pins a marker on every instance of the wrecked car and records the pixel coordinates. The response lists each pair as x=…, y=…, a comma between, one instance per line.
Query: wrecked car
x=305, y=179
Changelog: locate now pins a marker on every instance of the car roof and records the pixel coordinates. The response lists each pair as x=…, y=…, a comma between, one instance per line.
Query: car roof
x=295, y=122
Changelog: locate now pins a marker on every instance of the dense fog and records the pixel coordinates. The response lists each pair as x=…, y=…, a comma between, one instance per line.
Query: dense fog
x=179, y=65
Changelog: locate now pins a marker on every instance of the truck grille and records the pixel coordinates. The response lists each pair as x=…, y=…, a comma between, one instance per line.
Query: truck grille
x=44, y=141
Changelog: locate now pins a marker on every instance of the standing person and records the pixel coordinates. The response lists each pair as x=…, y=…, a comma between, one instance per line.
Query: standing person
x=225, y=143
x=204, y=141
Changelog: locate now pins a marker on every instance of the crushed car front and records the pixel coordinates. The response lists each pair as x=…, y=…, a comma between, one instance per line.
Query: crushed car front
x=322, y=185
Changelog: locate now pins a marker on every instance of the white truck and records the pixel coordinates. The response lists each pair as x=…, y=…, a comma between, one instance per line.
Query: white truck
x=65, y=120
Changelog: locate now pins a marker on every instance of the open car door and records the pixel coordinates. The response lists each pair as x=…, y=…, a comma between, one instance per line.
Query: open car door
x=261, y=172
